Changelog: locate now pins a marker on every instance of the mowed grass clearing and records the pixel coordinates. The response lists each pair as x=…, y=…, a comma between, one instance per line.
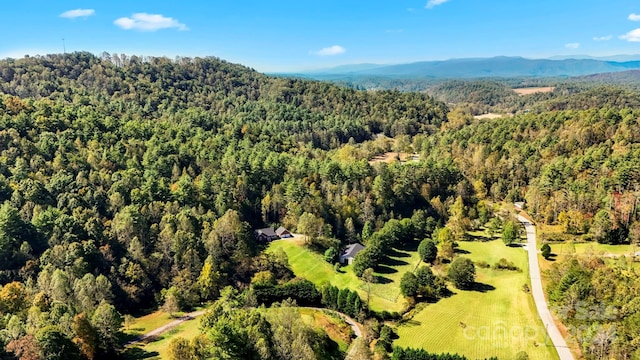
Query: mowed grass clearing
x=499, y=319
x=157, y=348
x=385, y=295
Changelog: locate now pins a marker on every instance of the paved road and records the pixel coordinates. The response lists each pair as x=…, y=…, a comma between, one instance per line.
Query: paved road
x=538, y=293
x=167, y=327
x=356, y=330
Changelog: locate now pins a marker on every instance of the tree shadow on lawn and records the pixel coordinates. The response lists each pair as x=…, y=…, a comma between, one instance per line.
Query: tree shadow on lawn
x=516, y=245
x=481, y=287
x=408, y=246
x=393, y=262
x=409, y=322
x=383, y=280
x=397, y=254
x=132, y=335
x=469, y=237
x=552, y=257
x=383, y=269
x=137, y=353
x=461, y=251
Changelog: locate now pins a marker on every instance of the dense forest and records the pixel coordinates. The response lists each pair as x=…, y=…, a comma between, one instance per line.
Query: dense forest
x=127, y=183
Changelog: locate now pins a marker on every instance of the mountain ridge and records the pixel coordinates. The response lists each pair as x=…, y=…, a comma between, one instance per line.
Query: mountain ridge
x=499, y=66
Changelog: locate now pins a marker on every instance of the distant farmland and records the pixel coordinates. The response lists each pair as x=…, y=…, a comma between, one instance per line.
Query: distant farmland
x=533, y=90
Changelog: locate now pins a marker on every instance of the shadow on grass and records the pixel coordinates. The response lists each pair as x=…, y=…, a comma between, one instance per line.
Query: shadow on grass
x=382, y=280
x=409, y=246
x=137, y=353
x=516, y=245
x=481, y=287
x=131, y=336
x=479, y=238
x=411, y=322
x=397, y=254
x=460, y=251
x=552, y=257
x=392, y=262
x=383, y=269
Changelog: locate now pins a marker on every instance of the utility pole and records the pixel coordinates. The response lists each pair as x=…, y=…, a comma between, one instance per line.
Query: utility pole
x=64, y=48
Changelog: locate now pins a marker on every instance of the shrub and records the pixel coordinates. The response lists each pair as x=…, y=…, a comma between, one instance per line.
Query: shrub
x=546, y=251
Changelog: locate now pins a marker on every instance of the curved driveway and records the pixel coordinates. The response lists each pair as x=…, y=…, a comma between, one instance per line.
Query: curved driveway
x=538, y=293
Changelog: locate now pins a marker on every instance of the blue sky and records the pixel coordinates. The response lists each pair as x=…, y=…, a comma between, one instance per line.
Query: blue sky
x=293, y=35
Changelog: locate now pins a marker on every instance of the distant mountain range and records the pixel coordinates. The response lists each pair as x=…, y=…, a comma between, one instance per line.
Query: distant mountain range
x=501, y=66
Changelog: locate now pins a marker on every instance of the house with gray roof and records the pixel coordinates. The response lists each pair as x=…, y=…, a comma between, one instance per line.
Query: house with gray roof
x=350, y=252
x=266, y=234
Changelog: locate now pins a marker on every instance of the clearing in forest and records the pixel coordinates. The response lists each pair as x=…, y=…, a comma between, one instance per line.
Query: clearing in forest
x=533, y=90
x=498, y=318
x=394, y=156
x=385, y=295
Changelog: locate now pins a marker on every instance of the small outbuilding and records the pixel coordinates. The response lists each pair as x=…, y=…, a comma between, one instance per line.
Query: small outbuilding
x=283, y=233
x=350, y=252
x=266, y=234
x=519, y=205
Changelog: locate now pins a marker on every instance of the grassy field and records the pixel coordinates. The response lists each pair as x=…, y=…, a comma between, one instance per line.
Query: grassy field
x=149, y=322
x=336, y=328
x=384, y=296
x=157, y=348
x=187, y=330
x=497, y=319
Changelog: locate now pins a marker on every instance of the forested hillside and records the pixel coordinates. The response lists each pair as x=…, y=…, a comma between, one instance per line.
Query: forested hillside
x=123, y=180
x=575, y=161
x=127, y=183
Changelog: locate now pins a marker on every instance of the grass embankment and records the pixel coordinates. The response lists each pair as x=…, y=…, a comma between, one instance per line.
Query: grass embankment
x=385, y=295
x=496, y=319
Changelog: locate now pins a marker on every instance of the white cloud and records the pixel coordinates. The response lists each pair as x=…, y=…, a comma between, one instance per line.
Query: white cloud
x=633, y=36
x=331, y=50
x=432, y=3
x=149, y=22
x=572, y=45
x=72, y=14
x=634, y=17
x=602, y=38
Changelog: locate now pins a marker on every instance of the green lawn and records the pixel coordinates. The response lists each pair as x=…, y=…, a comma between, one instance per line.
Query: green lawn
x=188, y=329
x=498, y=320
x=149, y=322
x=595, y=249
x=384, y=296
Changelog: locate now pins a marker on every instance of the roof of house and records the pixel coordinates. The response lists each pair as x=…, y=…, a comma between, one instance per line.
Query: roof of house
x=266, y=231
x=281, y=230
x=352, y=250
